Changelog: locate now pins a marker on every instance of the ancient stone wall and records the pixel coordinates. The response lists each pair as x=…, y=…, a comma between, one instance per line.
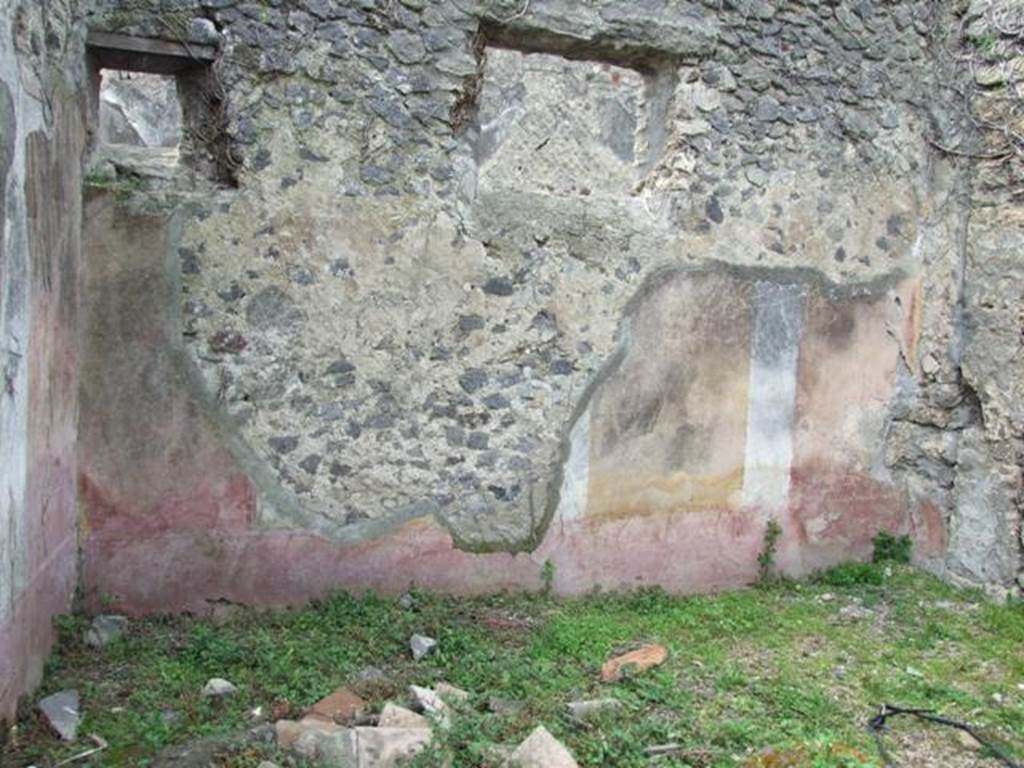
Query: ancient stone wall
x=42, y=136
x=986, y=538
x=606, y=285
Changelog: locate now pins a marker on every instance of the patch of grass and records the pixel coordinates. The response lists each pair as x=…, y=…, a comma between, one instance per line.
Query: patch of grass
x=984, y=43
x=798, y=668
x=122, y=187
x=891, y=549
x=853, y=575
x=547, y=576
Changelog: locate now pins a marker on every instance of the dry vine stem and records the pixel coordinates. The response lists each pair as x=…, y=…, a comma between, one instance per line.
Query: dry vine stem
x=100, y=746
x=991, y=47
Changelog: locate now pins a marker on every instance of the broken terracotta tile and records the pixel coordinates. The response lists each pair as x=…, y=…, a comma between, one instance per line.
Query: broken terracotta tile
x=642, y=658
x=342, y=706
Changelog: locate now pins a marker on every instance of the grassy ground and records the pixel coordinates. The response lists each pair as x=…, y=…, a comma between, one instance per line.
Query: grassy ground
x=798, y=667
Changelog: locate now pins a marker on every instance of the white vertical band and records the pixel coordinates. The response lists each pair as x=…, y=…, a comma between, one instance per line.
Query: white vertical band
x=771, y=399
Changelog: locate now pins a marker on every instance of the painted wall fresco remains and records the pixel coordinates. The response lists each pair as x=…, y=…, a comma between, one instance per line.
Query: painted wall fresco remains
x=440, y=292
x=42, y=138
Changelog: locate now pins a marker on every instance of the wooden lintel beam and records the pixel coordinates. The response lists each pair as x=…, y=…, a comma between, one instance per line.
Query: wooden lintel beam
x=151, y=47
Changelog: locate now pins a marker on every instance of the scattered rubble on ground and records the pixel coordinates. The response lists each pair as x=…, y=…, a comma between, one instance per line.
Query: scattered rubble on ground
x=399, y=732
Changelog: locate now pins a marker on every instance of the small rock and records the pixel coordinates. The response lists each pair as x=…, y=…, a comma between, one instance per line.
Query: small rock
x=105, y=629
x=169, y=718
x=337, y=748
x=706, y=99
x=407, y=601
x=968, y=741
x=451, y=693
x=713, y=210
x=341, y=706
x=541, y=750
x=855, y=613
x=287, y=732
x=473, y=379
x=641, y=659
x=268, y=764
x=407, y=47
x=218, y=688
x=695, y=127
x=929, y=364
x=328, y=744
x=756, y=176
x=505, y=707
x=388, y=747
x=370, y=675
x=428, y=702
x=766, y=109
x=203, y=31
x=858, y=125
x=394, y=716
x=989, y=75
x=61, y=712
x=499, y=286
x=264, y=733
x=421, y=645
x=914, y=672
x=291, y=732
x=590, y=708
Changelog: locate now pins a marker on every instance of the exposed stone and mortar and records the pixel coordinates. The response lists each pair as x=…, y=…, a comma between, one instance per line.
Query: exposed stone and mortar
x=140, y=109
x=482, y=286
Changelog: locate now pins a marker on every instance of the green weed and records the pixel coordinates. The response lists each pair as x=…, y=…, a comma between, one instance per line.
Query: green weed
x=853, y=575
x=766, y=557
x=890, y=548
